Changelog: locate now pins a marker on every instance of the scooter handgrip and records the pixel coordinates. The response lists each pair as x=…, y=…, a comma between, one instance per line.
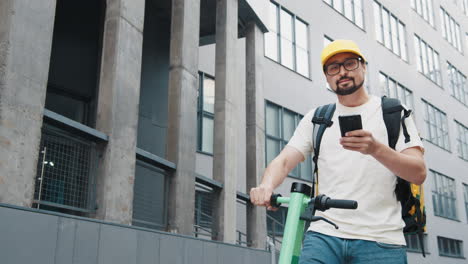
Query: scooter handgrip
x=273, y=201
x=343, y=204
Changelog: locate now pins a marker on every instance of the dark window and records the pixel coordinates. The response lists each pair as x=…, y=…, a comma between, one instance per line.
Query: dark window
x=276, y=221
x=75, y=60
x=450, y=247
x=279, y=128
x=413, y=244
x=149, y=200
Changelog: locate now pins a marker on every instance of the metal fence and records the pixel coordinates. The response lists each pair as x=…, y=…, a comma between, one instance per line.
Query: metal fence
x=204, y=197
x=66, y=172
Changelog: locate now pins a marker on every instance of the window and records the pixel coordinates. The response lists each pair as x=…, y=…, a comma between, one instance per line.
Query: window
x=276, y=221
x=280, y=126
x=390, y=31
x=465, y=7
x=425, y=9
x=206, y=97
x=462, y=140
x=458, y=84
x=351, y=9
x=287, y=41
x=450, y=29
x=413, y=244
x=427, y=60
x=436, y=126
x=465, y=194
x=450, y=247
x=73, y=79
x=204, y=197
x=393, y=89
x=149, y=196
x=443, y=196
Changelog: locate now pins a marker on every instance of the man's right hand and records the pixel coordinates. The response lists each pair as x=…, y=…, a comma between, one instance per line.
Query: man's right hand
x=261, y=196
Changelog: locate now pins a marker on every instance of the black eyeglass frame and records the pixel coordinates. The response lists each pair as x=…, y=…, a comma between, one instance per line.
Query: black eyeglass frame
x=325, y=68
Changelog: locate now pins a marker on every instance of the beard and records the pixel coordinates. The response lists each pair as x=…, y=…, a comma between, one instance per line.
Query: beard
x=348, y=90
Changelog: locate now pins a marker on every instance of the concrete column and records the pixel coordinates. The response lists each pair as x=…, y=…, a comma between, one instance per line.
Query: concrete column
x=119, y=93
x=182, y=126
x=255, y=135
x=26, y=29
x=225, y=160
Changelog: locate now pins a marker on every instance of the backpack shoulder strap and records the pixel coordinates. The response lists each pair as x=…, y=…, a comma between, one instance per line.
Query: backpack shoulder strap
x=321, y=120
x=391, y=109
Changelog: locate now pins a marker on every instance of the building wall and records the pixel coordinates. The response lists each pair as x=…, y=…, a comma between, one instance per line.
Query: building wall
x=293, y=91
x=31, y=236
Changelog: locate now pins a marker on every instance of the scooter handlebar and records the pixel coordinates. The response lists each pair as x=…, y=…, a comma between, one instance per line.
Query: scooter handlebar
x=343, y=204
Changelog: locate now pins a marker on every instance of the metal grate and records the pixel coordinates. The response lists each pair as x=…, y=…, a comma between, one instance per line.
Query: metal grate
x=65, y=171
x=203, y=211
x=150, y=196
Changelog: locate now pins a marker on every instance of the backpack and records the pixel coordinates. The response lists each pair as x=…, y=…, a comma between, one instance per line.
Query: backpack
x=411, y=196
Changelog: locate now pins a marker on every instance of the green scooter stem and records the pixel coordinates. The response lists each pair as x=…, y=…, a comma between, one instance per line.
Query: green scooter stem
x=294, y=229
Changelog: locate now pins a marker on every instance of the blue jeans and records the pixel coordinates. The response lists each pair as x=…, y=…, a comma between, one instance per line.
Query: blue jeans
x=323, y=249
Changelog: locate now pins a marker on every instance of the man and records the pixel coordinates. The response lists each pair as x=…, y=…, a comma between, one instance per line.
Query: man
x=360, y=166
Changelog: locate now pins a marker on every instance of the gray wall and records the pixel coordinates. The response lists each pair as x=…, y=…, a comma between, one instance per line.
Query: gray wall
x=152, y=121
x=29, y=236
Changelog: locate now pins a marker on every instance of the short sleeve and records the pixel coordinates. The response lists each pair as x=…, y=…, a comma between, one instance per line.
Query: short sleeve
x=415, y=139
x=302, y=137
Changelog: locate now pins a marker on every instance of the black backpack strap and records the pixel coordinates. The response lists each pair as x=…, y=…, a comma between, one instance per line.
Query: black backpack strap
x=321, y=120
x=391, y=109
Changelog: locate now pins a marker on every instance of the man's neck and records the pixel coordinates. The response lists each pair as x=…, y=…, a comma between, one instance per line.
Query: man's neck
x=358, y=98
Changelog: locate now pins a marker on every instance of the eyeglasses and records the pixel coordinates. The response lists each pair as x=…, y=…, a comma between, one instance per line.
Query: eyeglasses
x=349, y=64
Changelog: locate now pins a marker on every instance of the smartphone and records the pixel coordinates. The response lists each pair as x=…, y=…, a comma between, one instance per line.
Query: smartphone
x=349, y=123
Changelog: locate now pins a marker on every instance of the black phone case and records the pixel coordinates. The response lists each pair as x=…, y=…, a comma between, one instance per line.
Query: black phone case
x=349, y=123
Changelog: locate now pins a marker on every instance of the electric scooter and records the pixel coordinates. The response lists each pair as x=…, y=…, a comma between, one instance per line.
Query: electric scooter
x=302, y=210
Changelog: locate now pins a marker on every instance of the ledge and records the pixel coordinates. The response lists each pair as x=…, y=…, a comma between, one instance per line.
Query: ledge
x=73, y=126
x=155, y=160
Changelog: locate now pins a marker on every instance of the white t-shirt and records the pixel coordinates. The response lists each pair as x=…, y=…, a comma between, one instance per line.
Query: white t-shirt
x=345, y=174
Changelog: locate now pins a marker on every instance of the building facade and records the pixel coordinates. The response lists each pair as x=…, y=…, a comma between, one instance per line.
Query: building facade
x=152, y=120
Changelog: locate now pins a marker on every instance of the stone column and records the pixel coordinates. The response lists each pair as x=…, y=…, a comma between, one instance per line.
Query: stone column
x=255, y=120
x=182, y=114
x=26, y=29
x=225, y=160
x=119, y=93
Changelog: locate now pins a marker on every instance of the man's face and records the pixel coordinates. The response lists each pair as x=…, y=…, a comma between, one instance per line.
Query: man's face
x=346, y=81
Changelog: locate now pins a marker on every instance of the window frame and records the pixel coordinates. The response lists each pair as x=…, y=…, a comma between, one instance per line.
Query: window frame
x=436, y=122
x=412, y=240
x=458, y=84
x=462, y=140
x=425, y=9
x=423, y=61
x=282, y=142
x=398, y=89
x=341, y=9
x=451, y=30
x=444, y=197
x=396, y=42
x=201, y=113
x=457, y=243
x=279, y=40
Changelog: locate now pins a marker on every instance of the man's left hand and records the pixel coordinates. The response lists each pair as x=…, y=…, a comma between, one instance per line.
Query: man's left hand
x=360, y=140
